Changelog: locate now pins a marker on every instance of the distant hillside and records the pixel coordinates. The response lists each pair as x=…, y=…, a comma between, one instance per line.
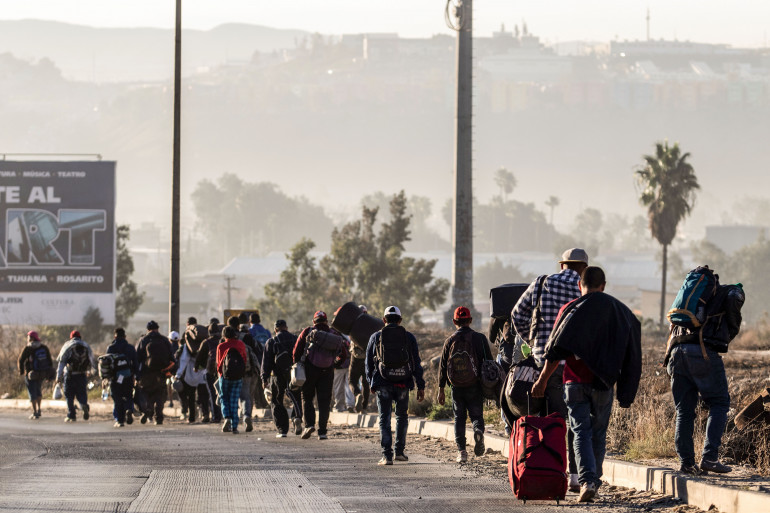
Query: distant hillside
x=136, y=54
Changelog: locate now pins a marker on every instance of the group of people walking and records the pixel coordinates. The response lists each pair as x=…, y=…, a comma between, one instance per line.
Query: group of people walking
x=586, y=347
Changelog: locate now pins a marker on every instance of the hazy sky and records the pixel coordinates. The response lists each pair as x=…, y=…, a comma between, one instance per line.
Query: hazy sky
x=737, y=22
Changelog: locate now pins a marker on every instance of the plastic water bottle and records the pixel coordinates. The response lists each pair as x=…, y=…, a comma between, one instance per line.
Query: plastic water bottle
x=105, y=394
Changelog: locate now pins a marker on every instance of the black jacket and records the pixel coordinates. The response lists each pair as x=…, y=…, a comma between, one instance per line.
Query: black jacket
x=207, y=354
x=480, y=344
x=606, y=335
x=283, y=341
x=121, y=346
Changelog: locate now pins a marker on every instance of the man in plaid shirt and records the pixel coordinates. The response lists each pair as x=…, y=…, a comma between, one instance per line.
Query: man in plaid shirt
x=542, y=300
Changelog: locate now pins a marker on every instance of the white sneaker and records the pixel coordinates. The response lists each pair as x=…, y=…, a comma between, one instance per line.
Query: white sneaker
x=281, y=435
x=462, y=457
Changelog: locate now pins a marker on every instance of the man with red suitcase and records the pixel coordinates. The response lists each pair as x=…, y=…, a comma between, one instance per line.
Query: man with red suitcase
x=600, y=339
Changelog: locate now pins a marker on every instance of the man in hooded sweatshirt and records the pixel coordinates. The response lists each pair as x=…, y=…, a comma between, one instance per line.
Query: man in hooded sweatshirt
x=75, y=360
x=193, y=381
x=35, y=365
x=122, y=384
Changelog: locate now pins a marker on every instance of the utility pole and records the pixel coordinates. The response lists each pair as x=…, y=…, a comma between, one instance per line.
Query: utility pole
x=173, y=304
x=229, y=288
x=462, y=216
x=648, y=24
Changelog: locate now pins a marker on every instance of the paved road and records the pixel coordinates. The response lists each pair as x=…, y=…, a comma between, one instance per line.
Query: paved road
x=48, y=465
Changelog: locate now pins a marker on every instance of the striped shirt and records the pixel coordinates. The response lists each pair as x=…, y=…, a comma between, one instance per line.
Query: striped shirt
x=558, y=290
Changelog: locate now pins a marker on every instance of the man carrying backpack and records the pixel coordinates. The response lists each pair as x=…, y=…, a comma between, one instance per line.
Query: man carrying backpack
x=193, y=380
x=207, y=359
x=599, y=339
x=75, y=360
x=277, y=361
x=460, y=364
x=695, y=365
x=319, y=347
x=122, y=378
x=260, y=335
x=392, y=368
x=357, y=375
x=156, y=361
x=231, y=367
x=533, y=318
x=35, y=364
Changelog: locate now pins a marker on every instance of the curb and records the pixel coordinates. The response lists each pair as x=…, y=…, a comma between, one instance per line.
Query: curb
x=694, y=491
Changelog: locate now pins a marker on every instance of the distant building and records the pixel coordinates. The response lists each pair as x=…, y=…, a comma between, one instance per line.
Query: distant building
x=731, y=238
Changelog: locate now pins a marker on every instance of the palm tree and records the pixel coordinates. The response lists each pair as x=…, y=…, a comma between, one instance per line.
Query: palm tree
x=506, y=181
x=668, y=184
x=552, y=202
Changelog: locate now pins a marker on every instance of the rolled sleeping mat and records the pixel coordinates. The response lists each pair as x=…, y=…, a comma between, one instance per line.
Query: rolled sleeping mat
x=502, y=299
x=345, y=316
x=363, y=328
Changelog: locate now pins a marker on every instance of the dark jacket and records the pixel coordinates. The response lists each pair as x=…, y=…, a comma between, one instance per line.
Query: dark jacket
x=723, y=321
x=282, y=341
x=299, y=347
x=480, y=345
x=606, y=335
x=25, y=358
x=141, y=351
x=207, y=354
x=121, y=346
x=373, y=375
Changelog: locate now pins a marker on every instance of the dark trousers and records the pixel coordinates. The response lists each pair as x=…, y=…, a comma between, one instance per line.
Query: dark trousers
x=386, y=396
x=358, y=373
x=75, y=387
x=188, y=395
x=318, y=382
x=153, y=387
x=554, y=398
x=122, y=398
x=279, y=386
x=467, y=402
x=216, y=410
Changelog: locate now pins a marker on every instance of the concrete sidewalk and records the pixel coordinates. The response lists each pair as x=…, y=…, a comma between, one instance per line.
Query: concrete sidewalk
x=692, y=490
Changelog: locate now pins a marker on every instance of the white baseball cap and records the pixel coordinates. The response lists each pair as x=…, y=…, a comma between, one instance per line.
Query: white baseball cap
x=173, y=336
x=392, y=310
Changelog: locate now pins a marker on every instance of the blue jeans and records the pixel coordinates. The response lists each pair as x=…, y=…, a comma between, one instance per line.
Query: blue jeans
x=75, y=387
x=122, y=398
x=34, y=388
x=216, y=410
x=467, y=402
x=691, y=375
x=589, y=411
x=385, y=397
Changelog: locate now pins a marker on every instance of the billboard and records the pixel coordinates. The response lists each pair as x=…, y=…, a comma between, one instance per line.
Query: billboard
x=57, y=245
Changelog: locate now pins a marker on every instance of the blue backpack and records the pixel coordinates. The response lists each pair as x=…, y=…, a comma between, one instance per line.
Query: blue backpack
x=689, y=307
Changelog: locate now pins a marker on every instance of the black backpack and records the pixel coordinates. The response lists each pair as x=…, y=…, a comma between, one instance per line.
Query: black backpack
x=462, y=363
x=41, y=361
x=233, y=366
x=158, y=353
x=113, y=365
x=283, y=348
x=393, y=358
x=78, y=360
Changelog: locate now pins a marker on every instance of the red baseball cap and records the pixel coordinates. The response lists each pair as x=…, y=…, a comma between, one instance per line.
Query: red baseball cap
x=75, y=334
x=319, y=315
x=462, y=313
x=34, y=336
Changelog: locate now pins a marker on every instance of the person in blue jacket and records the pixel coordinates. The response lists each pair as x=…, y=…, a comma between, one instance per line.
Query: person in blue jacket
x=122, y=384
x=392, y=369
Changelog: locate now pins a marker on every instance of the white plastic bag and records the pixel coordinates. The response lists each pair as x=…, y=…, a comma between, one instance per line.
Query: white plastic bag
x=57, y=393
x=298, y=375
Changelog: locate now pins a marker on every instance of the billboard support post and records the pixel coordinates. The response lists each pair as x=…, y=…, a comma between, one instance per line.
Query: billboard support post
x=173, y=305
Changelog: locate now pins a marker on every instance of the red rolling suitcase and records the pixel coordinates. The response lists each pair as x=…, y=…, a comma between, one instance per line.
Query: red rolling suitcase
x=537, y=459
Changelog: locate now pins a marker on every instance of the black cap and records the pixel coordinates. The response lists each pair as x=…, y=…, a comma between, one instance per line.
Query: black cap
x=152, y=325
x=192, y=321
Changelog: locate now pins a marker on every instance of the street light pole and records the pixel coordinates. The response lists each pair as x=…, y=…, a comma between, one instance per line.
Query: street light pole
x=173, y=306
